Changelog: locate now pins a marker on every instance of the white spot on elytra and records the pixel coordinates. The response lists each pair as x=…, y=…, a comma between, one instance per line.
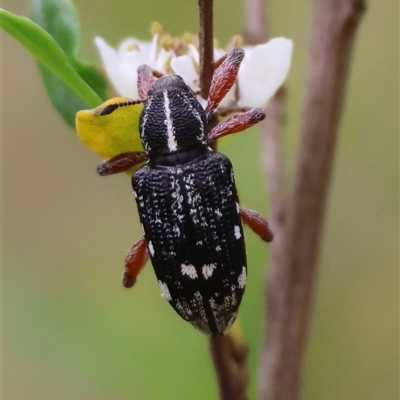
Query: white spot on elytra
x=151, y=249
x=165, y=291
x=237, y=232
x=218, y=212
x=176, y=230
x=208, y=270
x=242, y=278
x=189, y=270
x=172, y=145
x=237, y=208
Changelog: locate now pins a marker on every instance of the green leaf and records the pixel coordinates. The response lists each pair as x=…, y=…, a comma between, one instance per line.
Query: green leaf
x=60, y=19
x=63, y=100
x=46, y=50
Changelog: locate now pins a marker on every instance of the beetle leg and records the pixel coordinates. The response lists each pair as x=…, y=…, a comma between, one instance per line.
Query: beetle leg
x=134, y=262
x=120, y=163
x=257, y=223
x=145, y=80
x=237, y=123
x=223, y=79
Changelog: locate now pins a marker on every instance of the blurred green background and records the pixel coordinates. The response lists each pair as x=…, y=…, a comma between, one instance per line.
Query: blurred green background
x=71, y=331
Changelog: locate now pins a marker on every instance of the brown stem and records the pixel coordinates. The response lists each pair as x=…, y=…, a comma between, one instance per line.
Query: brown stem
x=291, y=281
x=221, y=360
x=257, y=31
x=230, y=362
x=229, y=356
x=206, y=46
x=256, y=26
x=273, y=160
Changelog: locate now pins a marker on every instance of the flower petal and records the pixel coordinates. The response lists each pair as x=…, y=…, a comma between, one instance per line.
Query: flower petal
x=218, y=53
x=163, y=58
x=120, y=67
x=184, y=67
x=153, y=47
x=194, y=53
x=263, y=70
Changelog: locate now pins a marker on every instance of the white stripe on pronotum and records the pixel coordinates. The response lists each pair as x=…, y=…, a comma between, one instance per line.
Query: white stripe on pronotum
x=172, y=145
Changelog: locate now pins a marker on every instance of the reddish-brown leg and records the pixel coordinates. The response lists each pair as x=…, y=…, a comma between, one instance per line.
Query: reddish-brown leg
x=134, y=262
x=145, y=80
x=237, y=123
x=120, y=163
x=257, y=223
x=223, y=79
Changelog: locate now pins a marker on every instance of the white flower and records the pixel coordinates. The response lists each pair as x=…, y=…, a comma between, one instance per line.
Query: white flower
x=184, y=67
x=121, y=65
x=263, y=69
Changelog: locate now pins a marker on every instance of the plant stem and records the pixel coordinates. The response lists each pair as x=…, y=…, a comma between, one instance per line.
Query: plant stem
x=206, y=46
x=256, y=32
x=294, y=269
x=229, y=355
x=256, y=26
x=230, y=362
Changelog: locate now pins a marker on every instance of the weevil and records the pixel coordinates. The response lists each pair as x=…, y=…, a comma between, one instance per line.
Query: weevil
x=187, y=199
